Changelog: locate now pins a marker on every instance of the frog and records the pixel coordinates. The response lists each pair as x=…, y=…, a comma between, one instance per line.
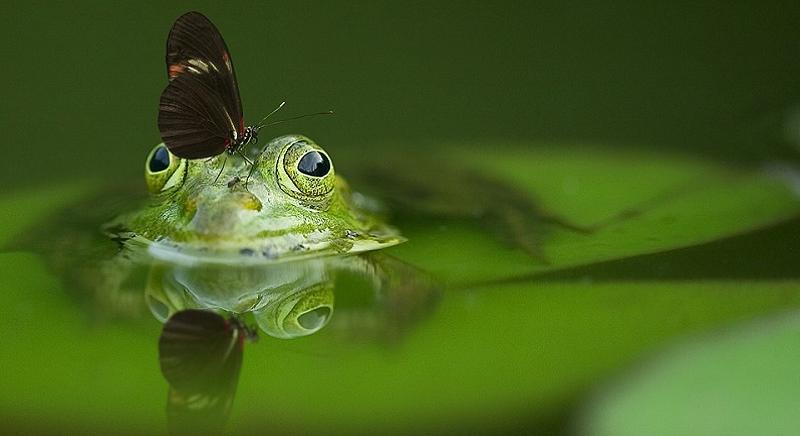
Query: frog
x=285, y=202
x=262, y=236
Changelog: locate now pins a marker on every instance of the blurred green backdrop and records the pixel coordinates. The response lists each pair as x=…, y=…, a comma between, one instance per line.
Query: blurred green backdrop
x=81, y=83
x=81, y=80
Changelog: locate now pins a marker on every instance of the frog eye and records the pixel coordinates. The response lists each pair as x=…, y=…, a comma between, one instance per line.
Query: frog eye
x=159, y=160
x=314, y=164
x=309, y=171
x=161, y=169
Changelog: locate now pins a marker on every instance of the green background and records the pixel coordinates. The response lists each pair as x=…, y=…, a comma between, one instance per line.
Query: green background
x=81, y=80
x=649, y=96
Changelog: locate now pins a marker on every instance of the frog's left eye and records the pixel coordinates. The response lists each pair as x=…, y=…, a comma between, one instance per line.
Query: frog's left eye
x=161, y=169
x=307, y=171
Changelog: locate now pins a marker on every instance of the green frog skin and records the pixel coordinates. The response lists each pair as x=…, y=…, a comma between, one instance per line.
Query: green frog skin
x=289, y=204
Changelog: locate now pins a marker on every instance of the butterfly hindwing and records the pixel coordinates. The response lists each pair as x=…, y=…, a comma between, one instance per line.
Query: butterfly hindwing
x=193, y=120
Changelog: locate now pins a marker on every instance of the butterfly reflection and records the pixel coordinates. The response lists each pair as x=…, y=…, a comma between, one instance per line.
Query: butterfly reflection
x=201, y=354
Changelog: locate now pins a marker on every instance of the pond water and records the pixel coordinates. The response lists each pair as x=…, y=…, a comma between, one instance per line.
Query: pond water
x=586, y=196
x=463, y=326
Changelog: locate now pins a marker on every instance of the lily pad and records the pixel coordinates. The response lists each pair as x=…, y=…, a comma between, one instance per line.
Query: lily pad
x=637, y=201
x=737, y=382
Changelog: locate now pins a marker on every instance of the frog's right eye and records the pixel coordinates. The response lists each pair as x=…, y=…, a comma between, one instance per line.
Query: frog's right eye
x=159, y=160
x=163, y=170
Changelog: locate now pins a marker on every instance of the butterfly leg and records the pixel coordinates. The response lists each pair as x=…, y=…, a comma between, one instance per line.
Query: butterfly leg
x=239, y=151
x=221, y=168
x=250, y=173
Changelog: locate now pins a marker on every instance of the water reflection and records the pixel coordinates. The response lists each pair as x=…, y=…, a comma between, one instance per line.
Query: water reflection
x=206, y=310
x=382, y=296
x=200, y=353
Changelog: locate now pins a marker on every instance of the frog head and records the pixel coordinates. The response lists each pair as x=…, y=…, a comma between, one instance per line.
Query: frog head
x=285, y=201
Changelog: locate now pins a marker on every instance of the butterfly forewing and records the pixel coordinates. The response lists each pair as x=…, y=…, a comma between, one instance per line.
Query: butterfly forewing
x=200, y=112
x=195, y=46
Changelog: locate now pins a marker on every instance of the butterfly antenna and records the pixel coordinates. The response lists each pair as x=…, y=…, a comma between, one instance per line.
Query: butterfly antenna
x=294, y=118
x=280, y=106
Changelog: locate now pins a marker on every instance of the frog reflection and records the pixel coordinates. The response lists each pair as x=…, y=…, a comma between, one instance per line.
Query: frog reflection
x=201, y=352
x=294, y=299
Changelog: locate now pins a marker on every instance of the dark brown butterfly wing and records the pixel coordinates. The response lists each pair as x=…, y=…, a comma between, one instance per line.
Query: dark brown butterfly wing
x=200, y=112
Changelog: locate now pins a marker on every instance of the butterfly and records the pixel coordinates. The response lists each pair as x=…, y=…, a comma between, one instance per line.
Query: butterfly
x=200, y=111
